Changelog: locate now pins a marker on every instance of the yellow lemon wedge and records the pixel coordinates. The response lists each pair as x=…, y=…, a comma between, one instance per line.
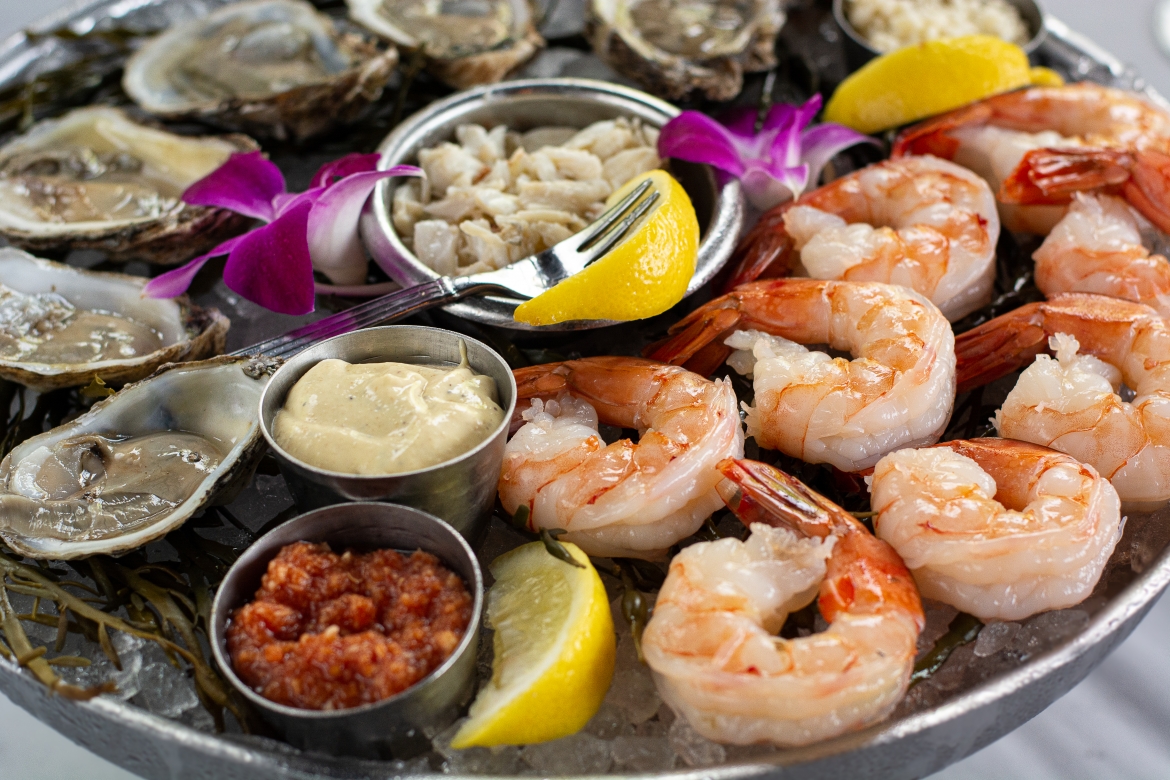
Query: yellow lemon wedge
x=554, y=650
x=644, y=275
x=928, y=79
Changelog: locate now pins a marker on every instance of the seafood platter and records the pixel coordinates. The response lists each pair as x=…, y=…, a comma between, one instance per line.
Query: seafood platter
x=696, y=388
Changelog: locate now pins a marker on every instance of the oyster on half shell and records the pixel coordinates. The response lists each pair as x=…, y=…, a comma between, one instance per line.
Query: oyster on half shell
x=62, y=326
x=465, y=42
x=684, y=49
x=137, y=465
x=275, y=68
x=94, y=179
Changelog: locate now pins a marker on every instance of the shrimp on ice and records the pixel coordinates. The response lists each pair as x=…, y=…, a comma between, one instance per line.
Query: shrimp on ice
x=624, y=499
x=712, y=641
x=1098, y=248
x=996, y=528
x=920, y=222
x=1073, y=403
x=898, y=391
x=1039, y=145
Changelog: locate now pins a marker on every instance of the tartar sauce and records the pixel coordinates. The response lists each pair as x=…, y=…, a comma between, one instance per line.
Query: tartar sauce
x=385, y=418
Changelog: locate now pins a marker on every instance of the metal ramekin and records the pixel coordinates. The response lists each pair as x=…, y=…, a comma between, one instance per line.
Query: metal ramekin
x=523, y=105
x=858, y=51
x=462, y=490
x=402, y=725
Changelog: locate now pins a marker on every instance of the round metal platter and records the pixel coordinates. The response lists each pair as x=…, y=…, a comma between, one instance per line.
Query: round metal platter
x=909, y=747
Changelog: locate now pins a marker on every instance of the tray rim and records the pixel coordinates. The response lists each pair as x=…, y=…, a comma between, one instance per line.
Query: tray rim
x=103, y=725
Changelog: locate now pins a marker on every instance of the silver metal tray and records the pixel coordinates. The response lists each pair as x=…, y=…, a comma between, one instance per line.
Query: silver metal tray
x=907, y=747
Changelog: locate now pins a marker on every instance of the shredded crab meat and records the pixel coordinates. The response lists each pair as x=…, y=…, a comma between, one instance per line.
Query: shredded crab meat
x=494, y=197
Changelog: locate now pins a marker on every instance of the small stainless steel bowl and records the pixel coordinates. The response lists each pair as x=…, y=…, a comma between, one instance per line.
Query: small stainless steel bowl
x=858, y=50
x=402, y=725
x=523, y=105
x=462, y=490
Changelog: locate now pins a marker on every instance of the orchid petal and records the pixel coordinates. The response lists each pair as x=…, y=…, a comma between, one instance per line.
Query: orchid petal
x=175, y=282
x=783, y=113
x=246, y=184
x=741, y=121
x=290, y=199
x=698, y=138
x=346, y=166
x=271, y=266
x=823, y=142
x=763, y=190
x=334, y=244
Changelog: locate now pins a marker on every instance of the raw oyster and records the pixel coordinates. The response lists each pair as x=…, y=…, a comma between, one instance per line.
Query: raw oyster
x=62, y=326
x=136, y=465
x=274, y=68
x=466, y=42
x=94, y=179
x=684, y=49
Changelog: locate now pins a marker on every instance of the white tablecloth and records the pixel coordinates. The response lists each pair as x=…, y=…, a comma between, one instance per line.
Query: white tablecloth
x=1116, y=724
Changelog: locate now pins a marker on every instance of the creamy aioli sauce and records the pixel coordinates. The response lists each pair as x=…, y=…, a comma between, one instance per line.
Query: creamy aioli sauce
x=385, y=418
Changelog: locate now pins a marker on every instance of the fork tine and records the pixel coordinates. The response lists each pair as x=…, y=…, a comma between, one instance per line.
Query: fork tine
x=611, y=239
x=606, y=220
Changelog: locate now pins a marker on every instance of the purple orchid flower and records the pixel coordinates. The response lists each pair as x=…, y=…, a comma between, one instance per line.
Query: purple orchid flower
x=273, y=264
x=773, y=165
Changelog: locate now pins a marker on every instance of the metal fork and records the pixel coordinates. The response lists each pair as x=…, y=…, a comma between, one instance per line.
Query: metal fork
x=526, y=278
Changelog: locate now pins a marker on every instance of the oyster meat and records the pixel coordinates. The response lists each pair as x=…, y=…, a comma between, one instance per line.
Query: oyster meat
x=62, y=326
x=274, y=68
x=466, y=42
x=136, y=465
x=685, y=49
x=94, y=179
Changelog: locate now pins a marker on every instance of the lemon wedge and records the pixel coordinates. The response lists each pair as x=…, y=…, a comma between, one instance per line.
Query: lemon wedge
x=554, y=650
x=928, y=79
x=644, y=275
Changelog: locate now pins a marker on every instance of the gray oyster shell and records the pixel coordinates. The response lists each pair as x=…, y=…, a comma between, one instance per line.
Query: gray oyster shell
x=271, y=68
x=99, y=155
x=188, y=332
x=685, y=49
x=486, y=42
x=215, y=398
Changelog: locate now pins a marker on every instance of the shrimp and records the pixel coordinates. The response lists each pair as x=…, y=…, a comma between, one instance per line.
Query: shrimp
x=712, y=641
x=1073, y=403
x=624, y=499
x=897, y=392
x=997, y=528
x=1097, y=248
x=1040, y=145
x=920, y=222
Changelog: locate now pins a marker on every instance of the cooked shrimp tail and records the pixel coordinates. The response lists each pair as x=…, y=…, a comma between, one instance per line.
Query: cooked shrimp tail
x=863, y=569
x=1148, y=189
x=1053, y=176
x=765, y=252
x=1000, y=346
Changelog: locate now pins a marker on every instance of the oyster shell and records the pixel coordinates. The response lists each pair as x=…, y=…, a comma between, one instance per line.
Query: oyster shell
x=684, y=49
x=94, y=179
x=61, y=326
x=274, y=68
x=466, y=42
x=136, y=465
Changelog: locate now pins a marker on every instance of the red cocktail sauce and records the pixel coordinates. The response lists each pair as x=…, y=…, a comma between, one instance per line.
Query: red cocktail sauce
x=329, y=631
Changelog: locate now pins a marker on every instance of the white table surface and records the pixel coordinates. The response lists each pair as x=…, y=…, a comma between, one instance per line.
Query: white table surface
x=1115, y=724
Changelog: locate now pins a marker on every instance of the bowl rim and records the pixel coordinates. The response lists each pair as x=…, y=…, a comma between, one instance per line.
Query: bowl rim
x=382, y=240
x=217, y=638
x=280, y=452
x=1039, y=34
